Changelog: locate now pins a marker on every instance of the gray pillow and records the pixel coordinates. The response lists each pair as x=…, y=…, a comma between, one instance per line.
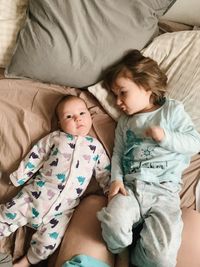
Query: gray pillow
x=69, y=42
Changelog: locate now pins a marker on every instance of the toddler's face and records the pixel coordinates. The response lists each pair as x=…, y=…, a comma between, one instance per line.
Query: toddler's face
x=74, y=117
x=131, y=98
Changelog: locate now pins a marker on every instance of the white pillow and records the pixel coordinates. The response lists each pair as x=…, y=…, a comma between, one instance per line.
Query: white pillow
x=12, y=15
x=106, y=99
x=178, y=54
x=184, y=11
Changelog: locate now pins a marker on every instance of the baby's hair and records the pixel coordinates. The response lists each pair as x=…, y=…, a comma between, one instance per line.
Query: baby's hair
x=143, y=71
x=65, y=99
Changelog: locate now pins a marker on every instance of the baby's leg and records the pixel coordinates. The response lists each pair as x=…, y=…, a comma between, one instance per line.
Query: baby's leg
x=11, y=217
x=47, y=238
x=83, y=236
x=117, y=220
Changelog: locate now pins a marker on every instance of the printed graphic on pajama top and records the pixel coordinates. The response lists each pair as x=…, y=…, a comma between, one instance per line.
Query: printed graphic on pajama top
x=138, y=151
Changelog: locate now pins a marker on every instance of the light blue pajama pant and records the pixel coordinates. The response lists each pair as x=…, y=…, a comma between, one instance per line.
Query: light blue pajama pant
x=157, y=207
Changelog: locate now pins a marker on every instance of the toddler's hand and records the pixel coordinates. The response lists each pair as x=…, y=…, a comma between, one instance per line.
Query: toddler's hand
x=155, y=132
x=115, y=188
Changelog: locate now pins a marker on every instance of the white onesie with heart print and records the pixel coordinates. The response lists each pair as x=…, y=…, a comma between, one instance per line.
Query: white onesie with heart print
x=56, y=171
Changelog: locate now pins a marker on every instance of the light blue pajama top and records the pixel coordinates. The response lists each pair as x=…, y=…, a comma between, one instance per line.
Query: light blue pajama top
x=136, y=156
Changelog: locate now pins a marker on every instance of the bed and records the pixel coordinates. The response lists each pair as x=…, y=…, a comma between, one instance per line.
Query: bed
x=48, y=55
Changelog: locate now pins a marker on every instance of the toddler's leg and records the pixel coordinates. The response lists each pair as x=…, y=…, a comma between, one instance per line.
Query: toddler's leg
x=47, y=238
x=161, y=233
x=117, y=220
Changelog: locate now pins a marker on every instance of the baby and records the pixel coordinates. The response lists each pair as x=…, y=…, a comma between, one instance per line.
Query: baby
x=56, y=171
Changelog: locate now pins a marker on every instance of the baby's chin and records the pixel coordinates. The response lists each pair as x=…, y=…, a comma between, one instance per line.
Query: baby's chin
x=82, y=134
x=79, y=133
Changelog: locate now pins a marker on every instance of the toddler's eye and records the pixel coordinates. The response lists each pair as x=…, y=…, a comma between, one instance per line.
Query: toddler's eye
x=123, y=93
x=82, y=113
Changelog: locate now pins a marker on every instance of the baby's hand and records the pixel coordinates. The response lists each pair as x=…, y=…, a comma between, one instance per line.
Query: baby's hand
x=156, y=133
x=115, y=188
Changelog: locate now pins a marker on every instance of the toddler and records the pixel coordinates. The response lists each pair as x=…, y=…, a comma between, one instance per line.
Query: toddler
x=154, y=141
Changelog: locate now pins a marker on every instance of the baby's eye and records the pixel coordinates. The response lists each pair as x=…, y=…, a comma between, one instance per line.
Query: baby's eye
x=68, y=116
x=82, y=113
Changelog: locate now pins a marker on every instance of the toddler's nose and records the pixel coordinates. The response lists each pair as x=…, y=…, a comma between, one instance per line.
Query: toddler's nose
x=118, y=101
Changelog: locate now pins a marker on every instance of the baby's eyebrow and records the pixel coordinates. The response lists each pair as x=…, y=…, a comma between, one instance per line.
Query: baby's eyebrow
x=64, y=113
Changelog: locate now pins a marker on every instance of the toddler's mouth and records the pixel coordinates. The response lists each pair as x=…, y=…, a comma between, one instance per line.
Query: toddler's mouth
x=122, y=108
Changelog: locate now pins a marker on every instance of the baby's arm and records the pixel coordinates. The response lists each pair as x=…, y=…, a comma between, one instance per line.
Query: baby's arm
x=32, y=162
x=102, y=170
x=114, y=184
x=103, y=177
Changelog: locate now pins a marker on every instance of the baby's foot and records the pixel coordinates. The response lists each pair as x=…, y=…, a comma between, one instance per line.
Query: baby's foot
x=23, y=262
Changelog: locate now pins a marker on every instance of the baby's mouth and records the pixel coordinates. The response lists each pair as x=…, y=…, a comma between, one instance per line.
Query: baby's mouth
x=80, y=126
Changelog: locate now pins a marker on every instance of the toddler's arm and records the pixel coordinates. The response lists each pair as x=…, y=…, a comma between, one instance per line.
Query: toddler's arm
x=156, y=133
x=180, y=136
x=116, y=187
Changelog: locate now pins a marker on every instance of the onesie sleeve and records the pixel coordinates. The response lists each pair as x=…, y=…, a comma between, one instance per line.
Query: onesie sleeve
x=181, y=136
x=32, y=161
x=116, y=166
x=102, y=169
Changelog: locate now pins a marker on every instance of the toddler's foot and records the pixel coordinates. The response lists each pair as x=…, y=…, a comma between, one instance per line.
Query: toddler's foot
x=23, y=262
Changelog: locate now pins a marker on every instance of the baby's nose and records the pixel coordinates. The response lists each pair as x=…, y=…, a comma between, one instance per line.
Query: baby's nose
x=77, y=117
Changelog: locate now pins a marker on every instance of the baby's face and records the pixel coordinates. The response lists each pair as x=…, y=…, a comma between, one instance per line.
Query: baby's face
x=74, y=117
